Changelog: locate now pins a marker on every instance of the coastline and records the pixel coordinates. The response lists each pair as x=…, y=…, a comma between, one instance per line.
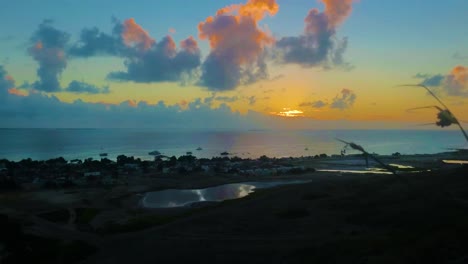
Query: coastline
x=119, y=220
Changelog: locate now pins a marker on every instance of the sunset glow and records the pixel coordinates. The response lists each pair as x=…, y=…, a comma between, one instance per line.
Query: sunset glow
x=242, y=59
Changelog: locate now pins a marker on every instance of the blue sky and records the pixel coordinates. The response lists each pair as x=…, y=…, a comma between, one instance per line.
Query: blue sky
x=388, y=42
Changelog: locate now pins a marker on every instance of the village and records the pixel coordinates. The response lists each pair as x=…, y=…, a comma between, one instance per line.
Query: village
x=30, y=174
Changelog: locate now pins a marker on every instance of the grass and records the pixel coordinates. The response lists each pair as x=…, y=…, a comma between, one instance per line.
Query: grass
x=314, y=196
x=444, y=244
x=75, y=251
x=86, y=215
x=60, y=216
x=293, y=213
x=35, y=249
x=135, y=224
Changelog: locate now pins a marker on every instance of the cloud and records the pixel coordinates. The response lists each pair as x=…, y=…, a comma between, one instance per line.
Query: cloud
x=81, y=87
x=163, y=62
x=227, y=99
x=430, y=80
x=314, y=104
x=93, y=43
x=7, y=85
x=146, y=60
x=6, y=81
x=318, y=45
x=252, y=100
x=344, y=101
x=47, y=49
x=454, y=83
x=45, y=110
x=134, y=35
x=237, y=54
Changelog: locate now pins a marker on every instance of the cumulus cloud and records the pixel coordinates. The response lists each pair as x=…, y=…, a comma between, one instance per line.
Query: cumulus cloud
x=237, y=54
x=48, y=49
x=318, y=45
x=344, y=101
x=314, y=104
x=93, y=43
x=163, y=62
x=454, y=83
x=146, y=60
x=82, y=87
x=134, y=35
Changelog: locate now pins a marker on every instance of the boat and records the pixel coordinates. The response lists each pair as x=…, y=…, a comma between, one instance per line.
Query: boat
x=188, y=153
x=199, y=148
x=103, y=154
x=224, y=153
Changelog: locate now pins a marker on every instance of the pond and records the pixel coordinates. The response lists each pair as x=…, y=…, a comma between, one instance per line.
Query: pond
x=178, y=198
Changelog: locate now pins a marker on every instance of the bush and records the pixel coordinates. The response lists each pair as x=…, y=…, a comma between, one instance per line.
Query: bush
x=293, y=213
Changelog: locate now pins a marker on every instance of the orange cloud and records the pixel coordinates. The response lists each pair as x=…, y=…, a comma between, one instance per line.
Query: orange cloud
x=240, y=36
x=169, y=46
x=190, y=45
x=17, y=92
x=456, y=83
x=184, y=104
x=460, y=75
x=132, y=103
x=134, y=34
x=253, y=8
x=237, y=44
x=337, y=11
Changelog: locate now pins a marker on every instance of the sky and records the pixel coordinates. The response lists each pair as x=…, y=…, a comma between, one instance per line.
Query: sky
x=243, y=64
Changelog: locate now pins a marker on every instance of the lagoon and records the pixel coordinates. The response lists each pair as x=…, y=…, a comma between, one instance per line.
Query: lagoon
x=172, y=198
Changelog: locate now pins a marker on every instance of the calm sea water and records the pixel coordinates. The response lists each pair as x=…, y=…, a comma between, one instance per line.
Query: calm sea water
x=17, y=144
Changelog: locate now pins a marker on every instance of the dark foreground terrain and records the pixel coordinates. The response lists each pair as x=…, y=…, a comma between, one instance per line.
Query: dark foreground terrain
x=410, y=218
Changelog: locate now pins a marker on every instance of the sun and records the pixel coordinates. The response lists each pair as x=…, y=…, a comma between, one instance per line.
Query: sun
x=288, y=112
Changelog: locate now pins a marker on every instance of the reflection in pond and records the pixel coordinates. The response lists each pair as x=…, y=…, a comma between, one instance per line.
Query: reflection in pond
x=178, y=198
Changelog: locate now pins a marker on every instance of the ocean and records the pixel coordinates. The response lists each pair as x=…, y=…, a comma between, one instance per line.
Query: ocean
x=42, y=144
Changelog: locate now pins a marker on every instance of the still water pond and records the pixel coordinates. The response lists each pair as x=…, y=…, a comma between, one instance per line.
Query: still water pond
x=178, y=198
